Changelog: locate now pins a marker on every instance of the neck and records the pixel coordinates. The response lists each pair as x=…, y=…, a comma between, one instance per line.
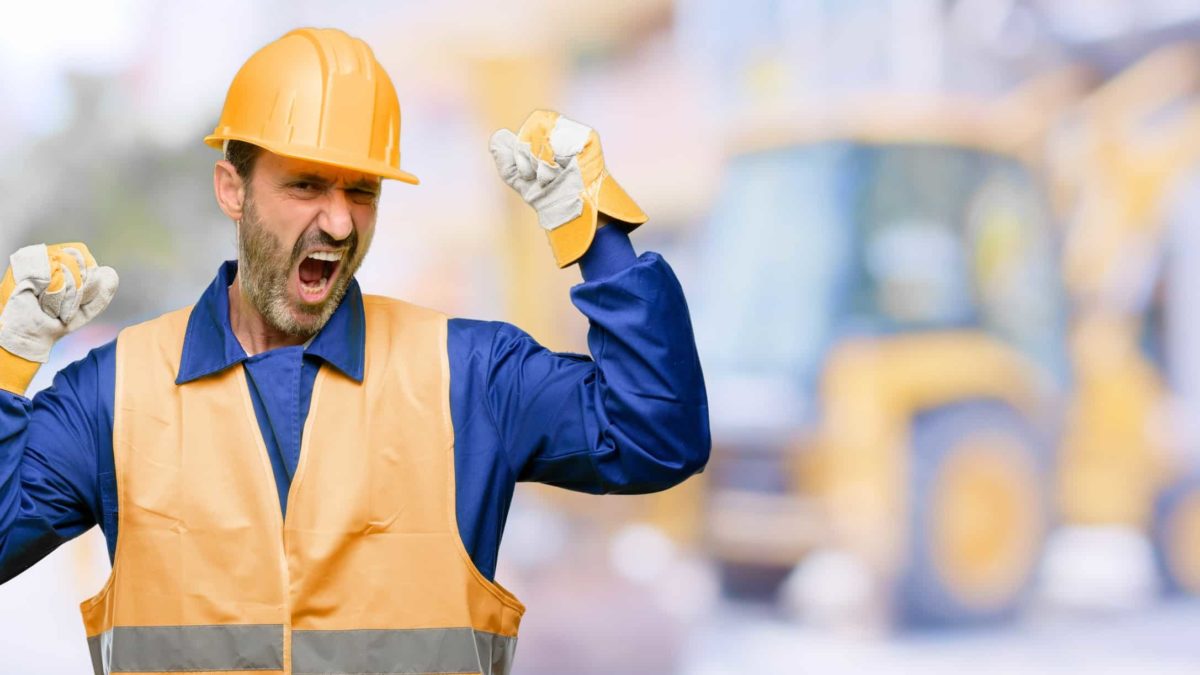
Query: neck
x=252, y=331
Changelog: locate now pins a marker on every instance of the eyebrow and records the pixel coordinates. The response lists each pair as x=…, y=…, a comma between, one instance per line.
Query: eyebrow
x=360, y=184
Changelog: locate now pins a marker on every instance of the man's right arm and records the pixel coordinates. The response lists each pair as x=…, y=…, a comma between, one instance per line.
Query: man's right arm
x=49, y=486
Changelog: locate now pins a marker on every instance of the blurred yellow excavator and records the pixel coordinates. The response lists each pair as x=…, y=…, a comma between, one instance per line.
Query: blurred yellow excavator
x=916, y=375
x=886, y=355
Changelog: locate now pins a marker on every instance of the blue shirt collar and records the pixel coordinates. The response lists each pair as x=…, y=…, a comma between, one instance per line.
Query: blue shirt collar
x=209, y=346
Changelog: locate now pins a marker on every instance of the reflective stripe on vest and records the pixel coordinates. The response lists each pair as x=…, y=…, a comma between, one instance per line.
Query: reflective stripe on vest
x=422, y=650
x=187, y=648
x=247, y=648
x=209, y=577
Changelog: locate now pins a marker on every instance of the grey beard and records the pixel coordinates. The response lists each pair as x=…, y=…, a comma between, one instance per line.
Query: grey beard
x=263, y=271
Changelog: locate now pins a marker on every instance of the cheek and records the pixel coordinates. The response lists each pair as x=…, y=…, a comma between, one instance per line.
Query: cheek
x=364, y=226
x=289, y=224
x=364, y=215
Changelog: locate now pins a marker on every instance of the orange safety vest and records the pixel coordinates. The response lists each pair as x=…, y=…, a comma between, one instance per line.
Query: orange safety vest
x=366, y=574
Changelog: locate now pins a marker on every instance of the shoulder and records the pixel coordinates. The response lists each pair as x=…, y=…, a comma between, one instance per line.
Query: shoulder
x=499, y=347
x=172, y=323
x=460, y=332
x=477, y=346
x=383, y=307
x=85, y=373
x=177, y=317
x=162, y=338
x=388, y=322
x=483, y=336
x=81, y=392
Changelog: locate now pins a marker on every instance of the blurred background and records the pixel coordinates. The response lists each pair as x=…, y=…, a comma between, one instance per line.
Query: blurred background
x=942, y=256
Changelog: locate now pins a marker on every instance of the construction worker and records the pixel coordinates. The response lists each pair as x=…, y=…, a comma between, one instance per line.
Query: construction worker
x=295, y=477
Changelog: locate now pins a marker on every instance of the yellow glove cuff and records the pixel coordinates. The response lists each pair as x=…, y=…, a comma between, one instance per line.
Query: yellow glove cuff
x=16, y=373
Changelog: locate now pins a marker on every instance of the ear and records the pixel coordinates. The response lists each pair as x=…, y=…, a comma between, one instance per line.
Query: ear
x=229, y=189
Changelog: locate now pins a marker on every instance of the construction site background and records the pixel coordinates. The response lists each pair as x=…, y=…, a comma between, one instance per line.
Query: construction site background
x=941, y=256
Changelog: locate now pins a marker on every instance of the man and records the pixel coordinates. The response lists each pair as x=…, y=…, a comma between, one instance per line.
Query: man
x=294, y=477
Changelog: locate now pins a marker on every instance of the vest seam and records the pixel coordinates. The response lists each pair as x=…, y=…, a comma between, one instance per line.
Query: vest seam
x=265, y=463
x=102, y=594
x=119, y=477
x=492, y=587
x=305, y=439
x=487, y=401
x=501, y=594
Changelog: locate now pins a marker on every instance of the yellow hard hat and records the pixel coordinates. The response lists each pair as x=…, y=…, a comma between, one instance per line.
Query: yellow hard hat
x=320, y=95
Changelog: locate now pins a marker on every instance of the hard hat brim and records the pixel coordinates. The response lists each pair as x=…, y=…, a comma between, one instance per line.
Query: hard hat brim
x=320, y=155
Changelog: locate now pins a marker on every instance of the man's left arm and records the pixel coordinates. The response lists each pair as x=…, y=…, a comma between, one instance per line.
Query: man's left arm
x=631, y=419
x=634, y=417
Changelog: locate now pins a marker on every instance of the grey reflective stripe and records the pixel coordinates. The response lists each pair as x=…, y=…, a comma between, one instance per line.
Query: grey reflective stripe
x=424, y=650
x=187, y=648
x=101, y=649
x=496, y=652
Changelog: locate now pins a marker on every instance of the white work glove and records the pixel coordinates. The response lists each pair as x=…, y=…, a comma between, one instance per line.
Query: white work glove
x=48, y=292
x=555, y=191
x=557, y=166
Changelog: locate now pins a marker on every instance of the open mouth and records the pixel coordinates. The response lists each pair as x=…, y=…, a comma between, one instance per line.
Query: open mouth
x=316, y=274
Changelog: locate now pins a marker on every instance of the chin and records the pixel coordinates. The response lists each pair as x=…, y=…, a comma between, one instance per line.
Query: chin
x=305, y=320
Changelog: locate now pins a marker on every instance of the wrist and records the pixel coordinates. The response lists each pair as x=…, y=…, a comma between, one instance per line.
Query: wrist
x=610, y=252
x=15, y=372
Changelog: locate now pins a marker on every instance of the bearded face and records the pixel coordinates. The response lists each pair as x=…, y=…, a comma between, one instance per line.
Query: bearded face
x=305, y=230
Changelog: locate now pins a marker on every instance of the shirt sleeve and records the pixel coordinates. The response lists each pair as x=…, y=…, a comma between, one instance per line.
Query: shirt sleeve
x=632, y=418
x=48, y=470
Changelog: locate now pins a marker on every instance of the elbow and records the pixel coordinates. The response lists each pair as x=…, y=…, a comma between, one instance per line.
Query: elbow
x=660, y=460
x=696, y=447
x=681, y=463
x=689, y=465
x=692, y=442
x=684, y=453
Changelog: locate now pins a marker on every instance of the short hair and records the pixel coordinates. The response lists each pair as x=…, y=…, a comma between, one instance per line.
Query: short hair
x=242, y=156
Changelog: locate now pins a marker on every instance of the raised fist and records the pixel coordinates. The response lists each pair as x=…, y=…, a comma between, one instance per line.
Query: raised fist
x=556, y=165
x=47, y=292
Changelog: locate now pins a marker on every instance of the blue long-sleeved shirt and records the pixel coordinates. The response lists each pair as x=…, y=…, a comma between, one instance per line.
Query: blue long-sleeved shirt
x=634, y=419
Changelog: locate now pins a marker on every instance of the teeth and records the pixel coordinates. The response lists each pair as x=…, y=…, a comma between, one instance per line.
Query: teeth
x=327, y=256
x=313, y=289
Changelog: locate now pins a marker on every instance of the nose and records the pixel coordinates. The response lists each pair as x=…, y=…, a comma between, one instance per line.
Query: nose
x=337, y=221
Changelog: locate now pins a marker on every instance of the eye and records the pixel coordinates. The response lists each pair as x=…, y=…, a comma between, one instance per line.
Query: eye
x=362, y=196
x=304, y=187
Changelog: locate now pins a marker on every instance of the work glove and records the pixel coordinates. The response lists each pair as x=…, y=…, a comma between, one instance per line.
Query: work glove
x=47, y=292
x=556, y=165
